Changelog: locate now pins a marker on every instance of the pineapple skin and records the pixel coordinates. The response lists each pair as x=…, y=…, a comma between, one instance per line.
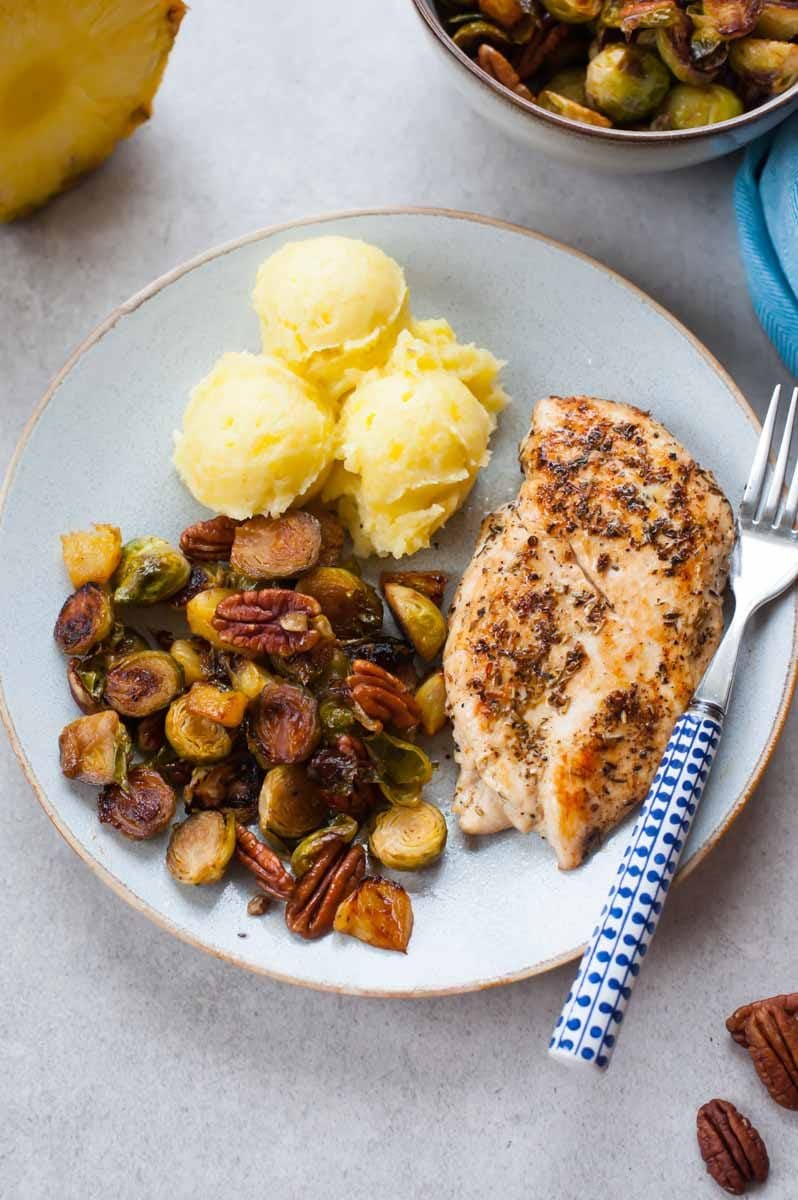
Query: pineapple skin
x=48, y=143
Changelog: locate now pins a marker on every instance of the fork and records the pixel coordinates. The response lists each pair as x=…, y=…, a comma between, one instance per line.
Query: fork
x=763, y=563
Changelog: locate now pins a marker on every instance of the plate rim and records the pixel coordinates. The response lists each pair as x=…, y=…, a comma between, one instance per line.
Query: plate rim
x=146, y=293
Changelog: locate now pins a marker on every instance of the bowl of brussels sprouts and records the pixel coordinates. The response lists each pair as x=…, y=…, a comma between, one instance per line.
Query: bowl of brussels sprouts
x=622, y=85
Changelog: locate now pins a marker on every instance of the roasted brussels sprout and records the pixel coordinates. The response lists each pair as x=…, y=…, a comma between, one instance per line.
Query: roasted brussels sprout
x=431, y=700
x=407, y=839
x=247, y=677
x=350, y=604
x=201, y=847
x=767, y=67
x=277, y=547
x=203, y=577
x=225, y=707
x=150, y=570
x=283, y=725
x=341, y=827
x=335, y=717
x=626, y=83
x=200, y=612
x=471, y=34
x=402, y=769
x=86, y=678
x=86, y=618
x=422, y=622
x=188, y=654
x=142, y=808
x=92, y=555
x=429, y=583
x=233, y=785
x=506, y=13
x=143, y=683
x=378, y=912
x=641, y=14
x=123, y=641
x=332, y=535
x=689, y=107
x=290, y=804
x=728, y=18
x=95, y=749
x=150, y=734
x=573, y=12
x=346, y=775
x=692, y=57
x=569, y=83
x=195, y=739
x=778, y=20
x=570, y=108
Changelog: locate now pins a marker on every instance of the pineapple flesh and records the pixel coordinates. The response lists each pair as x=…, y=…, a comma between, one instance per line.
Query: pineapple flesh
x=76, y=76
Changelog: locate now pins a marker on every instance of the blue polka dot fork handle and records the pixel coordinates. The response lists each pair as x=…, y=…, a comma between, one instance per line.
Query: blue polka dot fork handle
x=764, y=563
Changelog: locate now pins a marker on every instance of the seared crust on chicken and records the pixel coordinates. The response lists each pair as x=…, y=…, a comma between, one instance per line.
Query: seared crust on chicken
x=584, y=621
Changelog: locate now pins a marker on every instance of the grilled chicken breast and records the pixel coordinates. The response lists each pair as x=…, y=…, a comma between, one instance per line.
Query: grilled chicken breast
x=590, y=609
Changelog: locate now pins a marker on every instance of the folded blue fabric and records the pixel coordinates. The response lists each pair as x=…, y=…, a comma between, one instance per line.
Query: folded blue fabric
x=766, y=201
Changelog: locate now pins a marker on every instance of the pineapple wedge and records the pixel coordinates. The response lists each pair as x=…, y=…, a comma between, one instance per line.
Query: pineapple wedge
x=76, y=76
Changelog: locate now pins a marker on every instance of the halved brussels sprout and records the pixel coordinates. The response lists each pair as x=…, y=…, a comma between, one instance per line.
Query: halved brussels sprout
x=570, y=83
x=471, y=34
x=350, y=604
x=402, y=769
x=290, y=804
x=626, y=83
x=143, y=683
x=689, y=107
x=693, y=56
x=767, y=66
x=150, y=734
x=277, y=547
x=570, y=108
x=233, y=785
x=200, y=612
x=419, y=619
x=283, y=725
x=246, y=676
x=195, y=739
x=188, y=655
x=86, y=678
x=573, y=12
x=91, y=555
x=142, y=808
x=407, y=839
x=86, y=618
x=150, y=570
x=95, y=749
x=225, y=707
x=429, y=583
x=379, y=912
x=728, y=18
x=201, y=847
x=778, y=20
x=431, y=700
x=341, y=827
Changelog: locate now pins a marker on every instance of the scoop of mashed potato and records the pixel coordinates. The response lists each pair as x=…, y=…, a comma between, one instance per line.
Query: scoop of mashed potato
x=410, y=445
x=255, y=438
x=432, y=346
x=331, y=307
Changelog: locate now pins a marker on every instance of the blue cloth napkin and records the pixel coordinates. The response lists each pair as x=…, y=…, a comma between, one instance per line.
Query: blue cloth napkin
x=766, y=202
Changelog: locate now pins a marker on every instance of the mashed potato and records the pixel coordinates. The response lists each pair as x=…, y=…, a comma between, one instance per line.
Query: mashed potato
x=255, y=437
x=410, y=444
x=432, y=345
x=331, y=307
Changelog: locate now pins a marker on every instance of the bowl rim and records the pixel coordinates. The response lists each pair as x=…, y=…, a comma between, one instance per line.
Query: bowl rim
x=425, y=11
x=122, y=889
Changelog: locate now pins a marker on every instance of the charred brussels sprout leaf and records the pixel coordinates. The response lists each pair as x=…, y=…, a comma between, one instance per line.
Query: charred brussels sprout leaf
x=407, y=839
x=290, y=804
x=392, y=654
x=150, y=570
x=86, y=618
x=203, y=577
x=341, y=827
x=86, y=678
x=91, y=556
x=195, y=739
x=626, y=83
x=402, y=769
x=277, y=547
x=419, y=619
x=95, y=749
x=350, y=604
x=201, y=847
x=378, y=912
x=143, y=683
x=283, y=725
x=140, y=810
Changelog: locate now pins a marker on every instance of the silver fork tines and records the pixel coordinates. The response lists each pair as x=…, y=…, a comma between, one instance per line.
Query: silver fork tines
x=754, y=488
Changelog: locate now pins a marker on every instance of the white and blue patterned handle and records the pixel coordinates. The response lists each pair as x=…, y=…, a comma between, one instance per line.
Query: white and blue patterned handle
x=588, y=1026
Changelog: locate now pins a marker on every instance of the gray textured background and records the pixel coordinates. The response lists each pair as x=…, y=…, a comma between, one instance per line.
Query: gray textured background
x=134, y=1066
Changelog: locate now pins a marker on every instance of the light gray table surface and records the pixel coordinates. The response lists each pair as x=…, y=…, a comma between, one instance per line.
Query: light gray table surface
x=134, y=1066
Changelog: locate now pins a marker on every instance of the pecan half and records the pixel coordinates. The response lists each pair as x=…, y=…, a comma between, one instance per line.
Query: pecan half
x=382, y=696
x=733, y=1151
x=209, y=541
x=494, y=63
x=271, y=621
x=335, y=872
x=264, y=864
x=539, y=47
x=768, y=1030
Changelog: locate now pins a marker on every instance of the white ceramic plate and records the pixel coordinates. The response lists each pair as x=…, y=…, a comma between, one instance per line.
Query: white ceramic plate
x=98, y=449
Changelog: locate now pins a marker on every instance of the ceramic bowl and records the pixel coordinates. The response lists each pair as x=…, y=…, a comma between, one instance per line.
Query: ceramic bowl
x=612, y=150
